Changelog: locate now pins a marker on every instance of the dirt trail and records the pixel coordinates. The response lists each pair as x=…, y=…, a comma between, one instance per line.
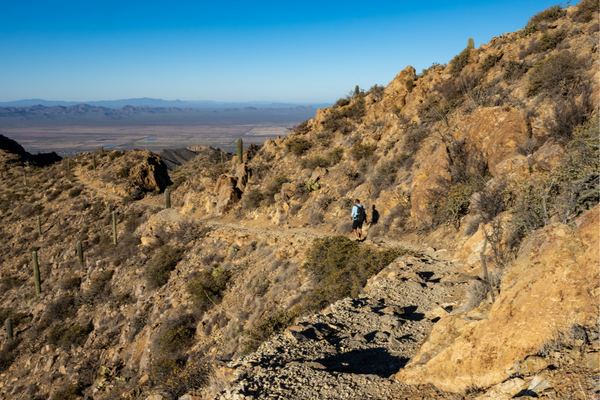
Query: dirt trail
x=245, y=226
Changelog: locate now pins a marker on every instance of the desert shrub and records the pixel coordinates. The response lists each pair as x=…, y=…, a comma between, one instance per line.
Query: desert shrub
x=69, y=392
x=569, y=112
x=159, y=269
x=179, y=377
x=337, y=122
x=513, y=70
x=385, y=176
x=489, y=202
x=274, y=187
x=115, y=154
x=341, y=268
x=377, y=92
x=252, y=199
x=297, y=145
x=207, y=288
x=261, y=332
x=16, y=318
x=529, y=147
x=555, y=75
x=586, y=11
x=548, y=15
x=489, y=62
x=551, y=39
x=99, y=289
x=301, y=129
x=8, y=354
x=75, y=192
x=123, y=172
x=63, y=336
x=532, y=48
x=177, y=334
x=342, y=102
x=413, y=139
x=330, y=159
x=459, y=62
x=8, y=282
x=70, y=282
x=59, y=310
x=359, y=150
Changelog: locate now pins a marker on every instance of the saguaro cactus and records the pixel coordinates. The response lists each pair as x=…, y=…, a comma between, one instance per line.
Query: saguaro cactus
x=68, y=166
x=114, y=218
x=36, y=273
x=222, y=160
x=240, y=150
x=356, y=90
x=94, y=161
x=470, y=43
x=9, y=329
x=24, y=178
x=167, y=198
x=79, y=253
x=39, y=226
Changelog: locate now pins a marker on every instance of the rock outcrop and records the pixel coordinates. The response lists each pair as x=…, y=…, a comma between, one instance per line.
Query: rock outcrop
x=552, y=286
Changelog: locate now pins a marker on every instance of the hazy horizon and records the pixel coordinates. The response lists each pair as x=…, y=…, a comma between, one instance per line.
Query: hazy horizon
x=235, y=52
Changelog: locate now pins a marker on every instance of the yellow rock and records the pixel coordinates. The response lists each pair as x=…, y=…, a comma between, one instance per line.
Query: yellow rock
x=548, y=288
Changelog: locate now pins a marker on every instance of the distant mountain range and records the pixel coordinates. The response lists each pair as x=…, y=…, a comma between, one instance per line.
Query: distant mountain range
x=106, y=113
x=148, y=102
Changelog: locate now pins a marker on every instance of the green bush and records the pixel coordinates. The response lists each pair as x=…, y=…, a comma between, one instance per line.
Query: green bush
x=207, y=288
x=8, y=354
x=261, y=332
x=459, y=62
x=63, y=337
x=123, y=173
x=555, y=75
x=551, y=39
x=177, y=335
x=274, y=187
x=75, y=192
x=99, y=289
x=252, y=199
x=297, y=145
x=59, y=310
x=341, y=268
x=548, y=15
x=332, y=158
x=70, y=392
x=359, y=150
x=159, y=269
x=586, y=10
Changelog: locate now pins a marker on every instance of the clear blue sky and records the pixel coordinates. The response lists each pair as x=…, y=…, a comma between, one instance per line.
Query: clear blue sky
x=301, y=52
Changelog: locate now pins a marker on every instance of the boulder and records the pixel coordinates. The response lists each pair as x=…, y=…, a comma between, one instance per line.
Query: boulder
x=226, y=193
x=150, y=174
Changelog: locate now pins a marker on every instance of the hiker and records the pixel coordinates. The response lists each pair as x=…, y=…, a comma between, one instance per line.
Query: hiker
x=358, y=217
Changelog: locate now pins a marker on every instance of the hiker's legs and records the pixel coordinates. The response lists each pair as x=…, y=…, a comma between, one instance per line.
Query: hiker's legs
x=355, y=233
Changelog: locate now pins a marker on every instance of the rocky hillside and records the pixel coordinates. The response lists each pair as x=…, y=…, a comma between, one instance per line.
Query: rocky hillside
x=478, y=276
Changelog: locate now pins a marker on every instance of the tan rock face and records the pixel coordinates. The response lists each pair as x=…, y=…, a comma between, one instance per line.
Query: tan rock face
x=395, y=92
x=553, y=284
x=226, y=192
x=150, y=174
x=494, y=130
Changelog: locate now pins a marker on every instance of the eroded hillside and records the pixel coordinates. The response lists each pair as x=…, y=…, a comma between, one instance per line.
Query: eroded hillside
x=489, y=160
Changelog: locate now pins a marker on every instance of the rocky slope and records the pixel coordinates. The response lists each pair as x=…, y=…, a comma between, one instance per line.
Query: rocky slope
x=490, y=160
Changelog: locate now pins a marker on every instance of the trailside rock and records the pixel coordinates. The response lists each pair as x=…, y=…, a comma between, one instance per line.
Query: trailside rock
x=226, y=192
x=553, y=284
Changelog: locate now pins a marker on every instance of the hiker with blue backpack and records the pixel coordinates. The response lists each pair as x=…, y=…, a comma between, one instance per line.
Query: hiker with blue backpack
x=359, y=216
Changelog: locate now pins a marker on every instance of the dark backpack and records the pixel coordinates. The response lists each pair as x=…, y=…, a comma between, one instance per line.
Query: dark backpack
x=361, y=215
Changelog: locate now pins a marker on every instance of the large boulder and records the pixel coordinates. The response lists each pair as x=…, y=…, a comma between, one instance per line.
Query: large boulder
x=150, y=174
x=226, y=192
x=553, y=285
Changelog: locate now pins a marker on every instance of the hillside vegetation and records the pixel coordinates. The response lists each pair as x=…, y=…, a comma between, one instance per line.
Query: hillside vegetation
x=491, y=160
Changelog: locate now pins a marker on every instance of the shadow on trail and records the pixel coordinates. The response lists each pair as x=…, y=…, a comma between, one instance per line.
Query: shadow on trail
x=365, y=362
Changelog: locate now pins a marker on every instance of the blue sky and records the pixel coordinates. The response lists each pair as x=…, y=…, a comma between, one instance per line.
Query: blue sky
x=301, y=52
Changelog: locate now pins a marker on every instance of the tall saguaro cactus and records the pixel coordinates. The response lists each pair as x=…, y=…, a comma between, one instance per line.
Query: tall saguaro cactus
x=9, y=329
x=36, y=273
x=79, y=253
x=94, y=161
x=114, y=221
x=240, y=150
x=167, y=198
x=470, y=43
x=24, y=178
